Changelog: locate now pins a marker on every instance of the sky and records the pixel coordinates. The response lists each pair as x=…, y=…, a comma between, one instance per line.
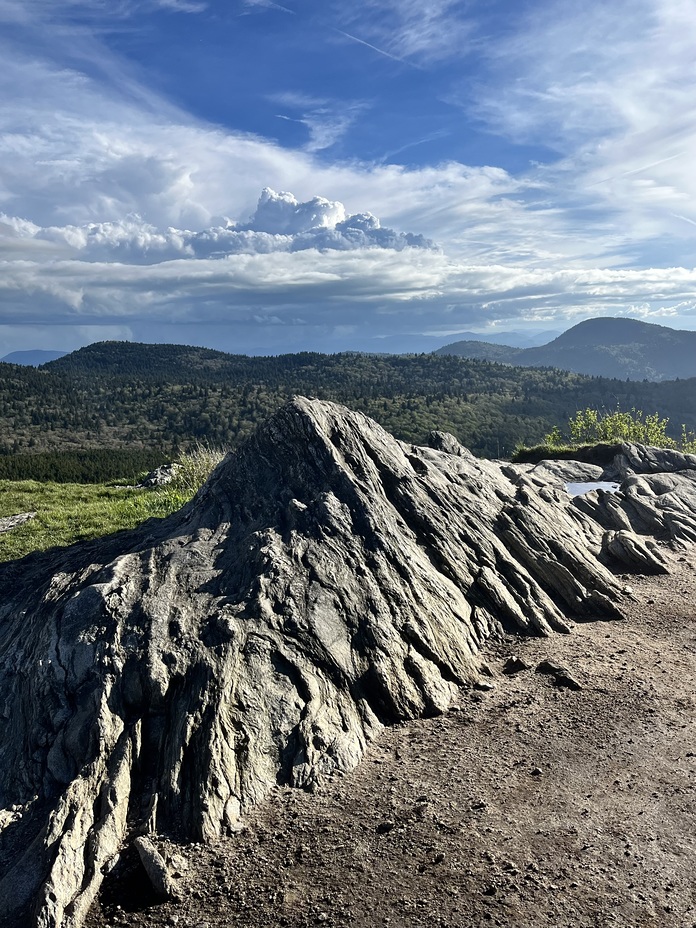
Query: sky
x=264, y=177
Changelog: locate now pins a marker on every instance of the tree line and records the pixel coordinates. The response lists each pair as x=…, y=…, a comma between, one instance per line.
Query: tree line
x=166, y=398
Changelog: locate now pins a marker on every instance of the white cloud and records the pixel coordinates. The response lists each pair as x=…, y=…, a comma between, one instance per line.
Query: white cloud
x=116, y=202
x=24, y=11
x=610, y=87
x=415, y=31
x=280, y=213
x=279, y=223
x=326, y=121
x=376, y=288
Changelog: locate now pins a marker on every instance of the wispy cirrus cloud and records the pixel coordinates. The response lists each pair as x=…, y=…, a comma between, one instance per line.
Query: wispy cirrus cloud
x=611, y=88
x=265, y=4
x=327, y=121
x=24, y=11
x=415, y=31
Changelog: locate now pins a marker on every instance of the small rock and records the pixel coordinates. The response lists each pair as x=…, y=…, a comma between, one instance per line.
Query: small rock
x=9, y=522
x=161, y=476
x=385, y=827
x=515, y=664
x=562, y=676
x=565, y=679
x=536, y=772
x=179, y=863
x=546, y=666
x=155, y=867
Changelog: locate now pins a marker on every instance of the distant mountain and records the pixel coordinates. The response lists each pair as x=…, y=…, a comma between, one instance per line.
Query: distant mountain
x=510, y=339
x=605, y=347
x=32, y=358
x=170, y=363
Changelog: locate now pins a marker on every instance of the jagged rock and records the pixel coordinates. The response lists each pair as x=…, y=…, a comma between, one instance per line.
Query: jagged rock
x=326, y=581
x=561, y=675
x=7, y=523
x=657, y=505
x=515, y=664
x=640, y=555
x=443, y=441
x=565, y=472
x=643, y=459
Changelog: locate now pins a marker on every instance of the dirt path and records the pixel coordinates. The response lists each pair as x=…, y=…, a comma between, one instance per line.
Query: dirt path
x=528, y=805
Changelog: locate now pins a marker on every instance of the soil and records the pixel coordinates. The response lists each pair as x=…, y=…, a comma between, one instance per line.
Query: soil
x=529, y=804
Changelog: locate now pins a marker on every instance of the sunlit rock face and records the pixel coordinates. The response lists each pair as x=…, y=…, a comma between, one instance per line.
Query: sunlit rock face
x=326, y=581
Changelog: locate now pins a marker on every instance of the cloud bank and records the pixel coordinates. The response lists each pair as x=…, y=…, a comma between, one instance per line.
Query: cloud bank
x=279, y=224
x=306, y=266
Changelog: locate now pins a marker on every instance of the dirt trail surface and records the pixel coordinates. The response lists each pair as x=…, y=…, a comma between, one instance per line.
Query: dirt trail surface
x=529, y=804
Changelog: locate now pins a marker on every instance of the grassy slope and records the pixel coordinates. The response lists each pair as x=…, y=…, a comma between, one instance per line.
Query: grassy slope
x=69, y=512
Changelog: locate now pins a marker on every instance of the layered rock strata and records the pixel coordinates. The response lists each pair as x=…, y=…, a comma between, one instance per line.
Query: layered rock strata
x=326, y=581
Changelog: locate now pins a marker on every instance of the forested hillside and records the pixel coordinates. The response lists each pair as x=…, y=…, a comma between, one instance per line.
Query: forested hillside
x=126, y=395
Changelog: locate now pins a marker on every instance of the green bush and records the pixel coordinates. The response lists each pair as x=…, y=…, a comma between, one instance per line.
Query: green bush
x=589, y=426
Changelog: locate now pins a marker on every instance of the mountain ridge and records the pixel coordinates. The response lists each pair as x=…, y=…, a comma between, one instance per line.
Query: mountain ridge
x=118, y=394
x=604, y=346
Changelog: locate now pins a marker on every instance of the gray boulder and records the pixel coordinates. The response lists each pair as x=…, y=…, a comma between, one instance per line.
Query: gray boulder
x=160, y=476
x=643, y=459
x=326, y=581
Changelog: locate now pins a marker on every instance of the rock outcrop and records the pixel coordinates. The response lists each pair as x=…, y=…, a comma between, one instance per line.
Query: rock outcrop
x=7, y=523
x=326, y=581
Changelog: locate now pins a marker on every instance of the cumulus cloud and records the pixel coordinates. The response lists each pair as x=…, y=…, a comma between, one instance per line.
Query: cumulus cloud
x=280, y=223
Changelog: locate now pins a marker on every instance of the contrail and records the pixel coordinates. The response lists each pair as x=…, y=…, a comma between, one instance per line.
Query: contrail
x=379, y=51
x=646, y=167
x=685, y=218
x=268, y=3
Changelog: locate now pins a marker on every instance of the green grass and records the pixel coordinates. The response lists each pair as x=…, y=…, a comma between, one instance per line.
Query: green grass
x=70, y=512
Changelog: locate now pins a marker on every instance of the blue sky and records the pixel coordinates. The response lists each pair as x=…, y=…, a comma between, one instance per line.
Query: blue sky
x=263, y=176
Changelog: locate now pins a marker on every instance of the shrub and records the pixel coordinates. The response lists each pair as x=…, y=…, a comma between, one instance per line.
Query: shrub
x=595, y=427
x=194, y=468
